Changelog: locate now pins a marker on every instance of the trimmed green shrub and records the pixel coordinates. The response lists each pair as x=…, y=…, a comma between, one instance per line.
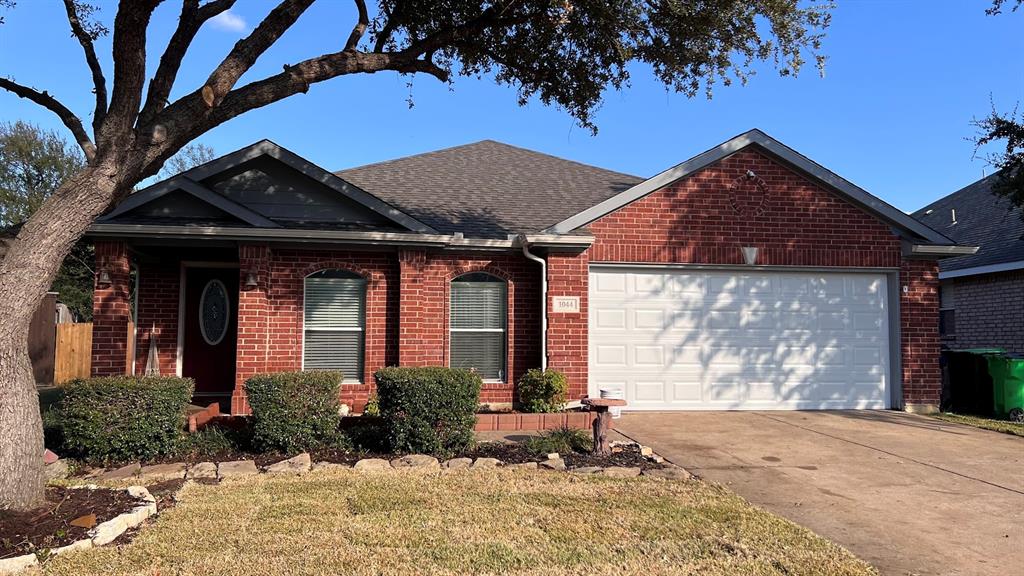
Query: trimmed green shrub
x=122, y=418
x=428, y=410
x=294, y=411
x=542, y=391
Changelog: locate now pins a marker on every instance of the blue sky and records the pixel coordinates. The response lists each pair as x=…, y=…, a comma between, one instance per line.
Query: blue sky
x=892, y=114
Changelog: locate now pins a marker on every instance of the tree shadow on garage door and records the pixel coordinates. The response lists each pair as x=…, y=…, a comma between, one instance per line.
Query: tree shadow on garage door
x=753, y=340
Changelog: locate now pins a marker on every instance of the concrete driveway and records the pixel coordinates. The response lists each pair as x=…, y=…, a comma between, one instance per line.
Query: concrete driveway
x=909, y=494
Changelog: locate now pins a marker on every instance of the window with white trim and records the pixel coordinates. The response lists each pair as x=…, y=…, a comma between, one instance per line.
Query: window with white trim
x=478, y=324
x=334, y=322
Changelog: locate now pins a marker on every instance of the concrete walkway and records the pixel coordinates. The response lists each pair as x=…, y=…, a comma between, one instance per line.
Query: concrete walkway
x=909, y=494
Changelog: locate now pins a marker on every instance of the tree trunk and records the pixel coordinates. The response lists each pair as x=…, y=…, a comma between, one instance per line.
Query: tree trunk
x=25, y=275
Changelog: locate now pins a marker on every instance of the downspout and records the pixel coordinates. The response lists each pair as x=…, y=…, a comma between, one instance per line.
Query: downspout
x=543, y=300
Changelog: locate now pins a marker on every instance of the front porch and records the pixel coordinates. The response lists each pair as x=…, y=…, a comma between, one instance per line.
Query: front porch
x=222, y=311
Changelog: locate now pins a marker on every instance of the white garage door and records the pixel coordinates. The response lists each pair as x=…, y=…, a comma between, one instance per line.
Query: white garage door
x=724, y=340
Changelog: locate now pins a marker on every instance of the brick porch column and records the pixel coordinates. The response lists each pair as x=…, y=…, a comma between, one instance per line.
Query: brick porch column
x=919, y=320
x=111, y=310
x=568, y=275
x=252, y=352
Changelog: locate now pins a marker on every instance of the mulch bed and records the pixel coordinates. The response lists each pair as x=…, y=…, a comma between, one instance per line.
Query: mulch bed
x=49, y=525
x=628, y=457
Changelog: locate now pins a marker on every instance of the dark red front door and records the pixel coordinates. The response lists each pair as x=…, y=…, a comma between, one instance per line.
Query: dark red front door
x=211, y=327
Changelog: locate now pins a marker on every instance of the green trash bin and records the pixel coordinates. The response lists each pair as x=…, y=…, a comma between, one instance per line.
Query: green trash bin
x=1007, y=386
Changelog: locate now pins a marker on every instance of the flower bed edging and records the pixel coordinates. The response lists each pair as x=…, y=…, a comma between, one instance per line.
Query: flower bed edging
x=102, y=534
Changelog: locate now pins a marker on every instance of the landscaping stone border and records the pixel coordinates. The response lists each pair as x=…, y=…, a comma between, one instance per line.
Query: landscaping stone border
x=302, y=464
x=103, y=534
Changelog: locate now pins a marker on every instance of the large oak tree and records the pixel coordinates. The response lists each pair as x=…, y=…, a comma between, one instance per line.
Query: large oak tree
x=564, y=52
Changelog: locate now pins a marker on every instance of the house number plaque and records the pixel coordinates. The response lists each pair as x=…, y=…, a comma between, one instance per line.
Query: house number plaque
x=565, y=304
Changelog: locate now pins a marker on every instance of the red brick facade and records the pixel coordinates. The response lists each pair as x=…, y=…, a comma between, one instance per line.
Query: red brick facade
x=111, y=310
x=702, y=219
x=919, y=328
x=159, y=292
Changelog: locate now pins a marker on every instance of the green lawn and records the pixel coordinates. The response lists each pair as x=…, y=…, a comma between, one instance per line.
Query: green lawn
x=1004, y=426
x=473, y=522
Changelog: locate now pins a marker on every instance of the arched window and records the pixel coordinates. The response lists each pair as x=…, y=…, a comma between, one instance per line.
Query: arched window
x=334, y=321
x=479, y=321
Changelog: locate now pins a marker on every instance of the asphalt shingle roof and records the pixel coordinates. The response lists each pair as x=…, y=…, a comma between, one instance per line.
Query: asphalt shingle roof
x=983, y=219
x=488, y=189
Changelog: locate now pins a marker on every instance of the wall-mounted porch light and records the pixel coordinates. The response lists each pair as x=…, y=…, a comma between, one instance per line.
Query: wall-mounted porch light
x=250, y=280
x=103, y=279
x=749, y=254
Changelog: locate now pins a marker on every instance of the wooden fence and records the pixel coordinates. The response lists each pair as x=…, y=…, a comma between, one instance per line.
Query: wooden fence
x=74, y=352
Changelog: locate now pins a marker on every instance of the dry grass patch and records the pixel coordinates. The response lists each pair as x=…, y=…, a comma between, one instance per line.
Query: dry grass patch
x=492, y=522
x=1004, y=426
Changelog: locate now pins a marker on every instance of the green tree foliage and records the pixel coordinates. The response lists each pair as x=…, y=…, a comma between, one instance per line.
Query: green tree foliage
x=1007, y=128
x=189, y=157
x=33, y=163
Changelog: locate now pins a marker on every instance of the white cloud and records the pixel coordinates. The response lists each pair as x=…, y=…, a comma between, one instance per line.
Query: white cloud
x=229, y=21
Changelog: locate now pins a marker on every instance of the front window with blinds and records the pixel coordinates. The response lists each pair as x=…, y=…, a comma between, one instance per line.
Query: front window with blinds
x=478, y=324
x=334, y=322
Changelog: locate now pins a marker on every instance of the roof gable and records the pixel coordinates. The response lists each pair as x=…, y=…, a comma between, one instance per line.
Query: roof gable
x=845, y=189
x=266, y=186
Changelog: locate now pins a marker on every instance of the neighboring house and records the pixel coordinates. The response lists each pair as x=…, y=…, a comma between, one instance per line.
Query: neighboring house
x=747, y=277
x=982, y=297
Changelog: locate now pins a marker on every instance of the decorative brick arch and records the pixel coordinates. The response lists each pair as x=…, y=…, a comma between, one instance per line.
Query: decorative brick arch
x=345, y=265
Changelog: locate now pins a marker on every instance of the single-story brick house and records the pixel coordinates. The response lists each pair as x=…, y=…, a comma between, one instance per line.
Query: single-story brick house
x=748, y=277
x=981, y=299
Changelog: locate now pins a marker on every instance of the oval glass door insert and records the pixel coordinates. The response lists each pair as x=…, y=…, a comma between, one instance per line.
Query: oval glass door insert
x=214, y=310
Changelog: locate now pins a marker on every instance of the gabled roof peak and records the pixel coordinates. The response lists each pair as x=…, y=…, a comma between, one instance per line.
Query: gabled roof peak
x=756, y=137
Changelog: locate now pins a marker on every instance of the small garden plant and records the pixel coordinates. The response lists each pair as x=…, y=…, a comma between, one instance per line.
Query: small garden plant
x=428, y=410
x=121, y=418
x=294, y=411
x=542, y=390
x=562, y=441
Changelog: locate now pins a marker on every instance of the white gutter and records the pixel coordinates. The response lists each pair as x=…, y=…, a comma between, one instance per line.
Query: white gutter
x=443, y=241
x=942, y=250
x=524, y=241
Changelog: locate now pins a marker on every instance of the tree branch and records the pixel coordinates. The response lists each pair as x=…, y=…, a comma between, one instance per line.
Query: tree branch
x=392, y=22
x=130, y=27
x=360, y=28
x=249, y=49
x=191, y=20
x=52, y=104
x=99, y=83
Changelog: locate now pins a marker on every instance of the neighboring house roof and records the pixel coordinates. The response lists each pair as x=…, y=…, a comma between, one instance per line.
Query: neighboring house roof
x=488, y=189
x=845, y=189
x=984, y=219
